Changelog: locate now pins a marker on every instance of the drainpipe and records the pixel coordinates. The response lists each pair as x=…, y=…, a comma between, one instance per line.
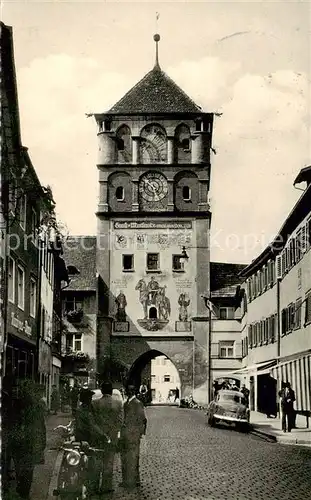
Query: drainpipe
x=278, y=305
x=39, y=312
x=209, y=349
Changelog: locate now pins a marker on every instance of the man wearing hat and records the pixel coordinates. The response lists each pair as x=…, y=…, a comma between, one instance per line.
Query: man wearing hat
x=134, y=427
x=108, y=418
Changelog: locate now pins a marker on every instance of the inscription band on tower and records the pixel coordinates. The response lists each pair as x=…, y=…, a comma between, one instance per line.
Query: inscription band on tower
x=152, y=225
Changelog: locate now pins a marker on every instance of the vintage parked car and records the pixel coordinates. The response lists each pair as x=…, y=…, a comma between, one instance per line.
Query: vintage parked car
x=229, y=406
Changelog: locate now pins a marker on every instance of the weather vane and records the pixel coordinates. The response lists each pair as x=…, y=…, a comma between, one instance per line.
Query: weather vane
x=157, y=39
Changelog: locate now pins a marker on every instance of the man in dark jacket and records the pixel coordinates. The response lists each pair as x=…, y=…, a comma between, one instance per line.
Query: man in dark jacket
x=134, y=427
x=108, y=416
x=28, y=437
x=287, y=396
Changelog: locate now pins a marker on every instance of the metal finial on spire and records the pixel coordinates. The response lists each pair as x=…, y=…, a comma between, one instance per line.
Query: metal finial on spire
x=157, y=39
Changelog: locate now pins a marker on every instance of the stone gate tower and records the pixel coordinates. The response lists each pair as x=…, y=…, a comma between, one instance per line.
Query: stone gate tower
x=153, y=230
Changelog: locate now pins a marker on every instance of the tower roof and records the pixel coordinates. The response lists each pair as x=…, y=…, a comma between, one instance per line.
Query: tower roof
x=156, y=92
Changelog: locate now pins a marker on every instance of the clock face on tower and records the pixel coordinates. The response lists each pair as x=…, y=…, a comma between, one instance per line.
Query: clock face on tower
x=153, y=187
x=153, y=145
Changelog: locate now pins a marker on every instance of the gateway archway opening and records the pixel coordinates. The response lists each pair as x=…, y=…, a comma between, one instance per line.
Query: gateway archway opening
x=155, y=370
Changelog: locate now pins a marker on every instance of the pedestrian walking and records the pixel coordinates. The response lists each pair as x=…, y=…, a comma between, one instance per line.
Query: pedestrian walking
x=28, y=437
x=55, y=400
x=245, y=393
x=74, y=397
x=287, y=396
x=176, y=394
x=108, y=416
x=134, y=427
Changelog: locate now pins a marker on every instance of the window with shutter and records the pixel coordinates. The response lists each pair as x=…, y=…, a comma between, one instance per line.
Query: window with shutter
x=267, y=330
x=272, y=272
x=283, y=263
x=283, y=321
x=279, y=266
x=249, y=289
x=303, y=239
x=265, y=270
x=275, y=331
x=269, y=272
x=286, y=259
x=298, y=313
x=298, y=245
x=308, y=235
x=294, y=251
x=271, y=329
x=291, y=317
x=308, y=308
x=250, y=336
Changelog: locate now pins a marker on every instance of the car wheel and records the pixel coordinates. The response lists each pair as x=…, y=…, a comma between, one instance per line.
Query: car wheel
x=242, y=427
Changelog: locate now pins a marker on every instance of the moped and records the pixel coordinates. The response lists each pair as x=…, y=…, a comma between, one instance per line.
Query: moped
x=73, y=474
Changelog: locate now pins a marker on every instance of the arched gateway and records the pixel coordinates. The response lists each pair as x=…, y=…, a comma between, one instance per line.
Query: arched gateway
x=153, y=241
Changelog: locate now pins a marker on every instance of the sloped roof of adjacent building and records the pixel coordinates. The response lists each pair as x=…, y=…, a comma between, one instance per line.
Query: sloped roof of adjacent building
x=225, y=276
x=156, y=92
x=80, y=251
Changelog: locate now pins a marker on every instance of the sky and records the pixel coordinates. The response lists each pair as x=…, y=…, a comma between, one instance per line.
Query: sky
x=248, y=60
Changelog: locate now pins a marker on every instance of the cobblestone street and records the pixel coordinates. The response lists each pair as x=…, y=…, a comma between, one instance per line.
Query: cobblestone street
x=183, y=458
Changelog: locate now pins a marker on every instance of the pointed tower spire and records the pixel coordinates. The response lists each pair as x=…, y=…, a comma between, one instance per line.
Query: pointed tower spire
x=157, y=39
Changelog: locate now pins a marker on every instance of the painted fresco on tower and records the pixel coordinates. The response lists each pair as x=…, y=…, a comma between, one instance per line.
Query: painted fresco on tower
x=183, y=324
x=156, y=305
x=160, y=289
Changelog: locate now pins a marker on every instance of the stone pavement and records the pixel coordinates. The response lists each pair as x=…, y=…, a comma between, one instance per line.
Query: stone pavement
x=271, y=427
x=183, y=458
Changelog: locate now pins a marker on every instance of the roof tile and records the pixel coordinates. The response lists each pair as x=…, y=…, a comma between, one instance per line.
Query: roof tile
x=156, y=92
x=80, y=251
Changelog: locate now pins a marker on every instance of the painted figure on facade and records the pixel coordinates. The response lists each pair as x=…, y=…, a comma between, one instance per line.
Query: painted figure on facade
x=163, y=304
x=121, y=305
x=153, y=299
x=153, y=287
x=143, y=295
x=183, y=302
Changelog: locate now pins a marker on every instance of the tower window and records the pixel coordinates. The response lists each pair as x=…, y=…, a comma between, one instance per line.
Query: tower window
x=185, y=144
x=128, y=262
x=153, y=313
x=178, y=264
x=120, y=193
x=186, y=193
x=198, y=126
x=107, y=125
x=153, y=261
x=120, y=144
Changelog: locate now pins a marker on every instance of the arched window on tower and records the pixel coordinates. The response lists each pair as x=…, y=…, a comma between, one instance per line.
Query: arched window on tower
x=182, y=147
x=124, y=144
x=120, y=193
x=186, y=193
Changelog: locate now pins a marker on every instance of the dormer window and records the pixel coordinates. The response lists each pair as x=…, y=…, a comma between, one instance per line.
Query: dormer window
x=186, y=193
x=120, y=193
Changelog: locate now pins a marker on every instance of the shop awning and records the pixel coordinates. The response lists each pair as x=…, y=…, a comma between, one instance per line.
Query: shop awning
x=297, y=371
x=258, y=368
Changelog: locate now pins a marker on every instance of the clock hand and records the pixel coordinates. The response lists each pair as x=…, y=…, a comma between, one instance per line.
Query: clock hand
x=153, y=188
